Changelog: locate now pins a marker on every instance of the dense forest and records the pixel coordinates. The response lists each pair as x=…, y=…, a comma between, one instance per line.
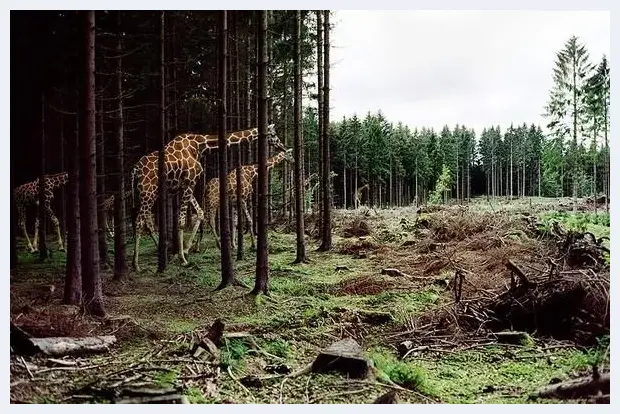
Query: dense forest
x=136, y=136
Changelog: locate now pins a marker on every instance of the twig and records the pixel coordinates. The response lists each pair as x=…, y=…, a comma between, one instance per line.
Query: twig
x=229, y=370
x=27, y=368
x=282, y=391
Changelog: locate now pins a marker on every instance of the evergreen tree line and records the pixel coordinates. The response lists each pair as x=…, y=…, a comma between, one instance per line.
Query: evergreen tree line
x=403, y=165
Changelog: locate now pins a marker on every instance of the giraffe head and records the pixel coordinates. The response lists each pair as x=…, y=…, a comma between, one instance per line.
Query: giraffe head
x=272, y=138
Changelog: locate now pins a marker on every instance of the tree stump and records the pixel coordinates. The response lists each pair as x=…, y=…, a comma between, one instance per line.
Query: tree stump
x=345, y=357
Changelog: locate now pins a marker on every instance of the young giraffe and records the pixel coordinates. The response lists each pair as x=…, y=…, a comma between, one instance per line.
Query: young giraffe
x=248, y=174
x=358, y=195
x=108, y=210
x=183, y=168
x=28, y=194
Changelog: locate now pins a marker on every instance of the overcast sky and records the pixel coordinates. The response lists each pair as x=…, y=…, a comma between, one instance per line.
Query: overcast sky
x=477, y=68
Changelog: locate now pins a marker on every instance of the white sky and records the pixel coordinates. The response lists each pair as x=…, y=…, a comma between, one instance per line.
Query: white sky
x=477, y=68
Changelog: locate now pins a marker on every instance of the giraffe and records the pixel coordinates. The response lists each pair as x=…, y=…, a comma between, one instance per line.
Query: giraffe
x=108, y=210
x=183, y=168
x=358, y=195
x=248, y=174
x=28, y=194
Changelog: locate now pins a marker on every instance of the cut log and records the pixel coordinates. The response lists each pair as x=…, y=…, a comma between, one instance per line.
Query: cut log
x=580, y=387
x=345, y=357
x=60, y=346
x=393, y=272
x=514, y=337
x=150, y=396
x=205, y=349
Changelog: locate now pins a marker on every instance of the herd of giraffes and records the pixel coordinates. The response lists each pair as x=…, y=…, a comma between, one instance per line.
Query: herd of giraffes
x=182, y=158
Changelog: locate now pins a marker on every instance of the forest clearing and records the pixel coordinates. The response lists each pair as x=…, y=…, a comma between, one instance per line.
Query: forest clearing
x=401, y=320
x=204, y=210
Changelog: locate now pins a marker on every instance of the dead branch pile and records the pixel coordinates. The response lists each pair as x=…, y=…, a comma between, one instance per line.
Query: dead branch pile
x=356, y=246
x=576, y=249
x=366, y=285
x=450, y=226
x=358, y=227
x=567, y=305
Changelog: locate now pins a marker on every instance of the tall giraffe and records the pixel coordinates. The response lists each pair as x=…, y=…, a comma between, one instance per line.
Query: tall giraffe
x=248, y=174
x=358, y=195
x=28, y=194
x=183, y=168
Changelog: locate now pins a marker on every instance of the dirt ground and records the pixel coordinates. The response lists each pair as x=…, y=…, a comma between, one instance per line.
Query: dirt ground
x=346, y=293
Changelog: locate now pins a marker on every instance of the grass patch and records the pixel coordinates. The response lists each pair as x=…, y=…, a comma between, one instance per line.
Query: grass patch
x=597, y=224
x=402, y=373
x=166, y=378
x=498, y=375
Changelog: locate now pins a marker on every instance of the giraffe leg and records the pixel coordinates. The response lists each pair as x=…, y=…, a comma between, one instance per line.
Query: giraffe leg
x=249, y=219
x=200, y=217
x=35, y=240
x=142, y=220
x=21, y=220
x=211, y=223
x=55, y=222
x=234, y=229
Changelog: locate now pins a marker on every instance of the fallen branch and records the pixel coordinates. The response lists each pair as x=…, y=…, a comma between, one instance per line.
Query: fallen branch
x=579, y=387
x=64, y=346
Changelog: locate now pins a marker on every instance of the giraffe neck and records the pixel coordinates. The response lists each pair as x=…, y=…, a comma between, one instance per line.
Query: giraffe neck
x=247, y=135
x=208, y=143
x=57, y=180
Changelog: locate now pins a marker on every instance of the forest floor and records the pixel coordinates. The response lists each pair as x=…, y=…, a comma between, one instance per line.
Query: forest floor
x=345, y=293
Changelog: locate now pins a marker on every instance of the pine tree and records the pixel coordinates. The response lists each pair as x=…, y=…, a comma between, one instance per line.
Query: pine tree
x=566, y=106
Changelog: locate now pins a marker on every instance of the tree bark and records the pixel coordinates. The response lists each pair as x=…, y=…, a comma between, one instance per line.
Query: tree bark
x=262, y=254
x=91, y=284
x=240, y=247
x=172, y=130
x=228, y=277
x=320, y=90
x=42, y=242
x=298, y=144
x=14, y=259
x=162, y=245
x=120, y=229
x=327, y=221
x=101, y=196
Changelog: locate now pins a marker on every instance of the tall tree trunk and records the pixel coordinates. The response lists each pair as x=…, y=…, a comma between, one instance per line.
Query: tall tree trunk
x=162, y=259
x=174, y=201
x=91, y=283
x=240, y=247
x=63, y=167
x=262, y=254
x=101, y=196
x=270, y=80
x=120, y=228
x=13, y=247
x=285, y=168
x=298, y=143
x=595, y=195
x=344, y=182
x=228, y=277
x=73, y=273
x=327, y=205
x=42, y=240
x=320, y=106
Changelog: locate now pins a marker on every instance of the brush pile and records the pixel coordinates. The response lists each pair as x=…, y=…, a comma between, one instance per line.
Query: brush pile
x=566, y=300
